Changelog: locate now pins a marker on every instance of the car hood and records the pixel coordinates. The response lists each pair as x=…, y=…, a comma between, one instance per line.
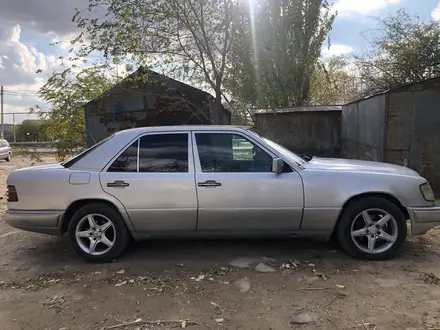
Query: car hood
x=350, y=165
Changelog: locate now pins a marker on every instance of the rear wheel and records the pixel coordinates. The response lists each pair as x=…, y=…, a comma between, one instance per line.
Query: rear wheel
x=372, y=228
x=98, y=233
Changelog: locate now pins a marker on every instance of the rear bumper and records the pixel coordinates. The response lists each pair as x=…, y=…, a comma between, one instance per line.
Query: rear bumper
x=45, y=222
x=424, y=218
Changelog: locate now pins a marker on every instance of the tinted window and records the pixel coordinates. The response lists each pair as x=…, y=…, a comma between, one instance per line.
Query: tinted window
x=127, y=161
x=163, y=153
x=231, y=153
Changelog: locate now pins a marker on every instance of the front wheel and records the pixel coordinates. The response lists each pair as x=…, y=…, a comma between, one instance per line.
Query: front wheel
x=8, y=159
x=98, y=233
x=372, y=228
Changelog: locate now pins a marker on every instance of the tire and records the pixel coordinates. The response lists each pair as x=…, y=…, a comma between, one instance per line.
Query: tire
x=357, y=240
x=93, y=239
x=8, y=159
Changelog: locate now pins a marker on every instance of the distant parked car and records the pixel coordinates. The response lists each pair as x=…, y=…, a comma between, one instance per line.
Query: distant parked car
x=5, y=150
x=217, y=181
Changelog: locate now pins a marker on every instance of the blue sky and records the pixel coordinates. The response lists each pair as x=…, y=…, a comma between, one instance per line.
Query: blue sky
x=356, y=18
x=27, y=28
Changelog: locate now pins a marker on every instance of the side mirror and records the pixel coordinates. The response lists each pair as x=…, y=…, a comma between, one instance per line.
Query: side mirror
x=277, y=165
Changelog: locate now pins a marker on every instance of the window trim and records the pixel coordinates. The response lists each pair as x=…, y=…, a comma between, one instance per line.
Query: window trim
x=197, y=164
x=138, y=138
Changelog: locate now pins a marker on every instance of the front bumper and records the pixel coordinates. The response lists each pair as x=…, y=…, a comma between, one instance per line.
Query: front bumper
x=45, y=222
x=424, y=218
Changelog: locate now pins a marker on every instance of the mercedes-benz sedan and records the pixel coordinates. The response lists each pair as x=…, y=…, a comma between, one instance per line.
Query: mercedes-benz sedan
x=217, y=181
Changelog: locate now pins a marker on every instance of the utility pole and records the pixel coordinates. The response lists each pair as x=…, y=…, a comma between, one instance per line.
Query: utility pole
x=13, y=123
x=2, y=128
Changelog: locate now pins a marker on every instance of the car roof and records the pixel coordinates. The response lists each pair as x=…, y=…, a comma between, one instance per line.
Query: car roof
x=141, y=130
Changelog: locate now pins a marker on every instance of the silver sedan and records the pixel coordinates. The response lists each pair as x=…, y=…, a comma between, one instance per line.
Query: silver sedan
x=217, y=181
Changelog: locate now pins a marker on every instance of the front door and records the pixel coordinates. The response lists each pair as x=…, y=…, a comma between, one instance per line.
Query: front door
x=154, y=180
x=237, y=190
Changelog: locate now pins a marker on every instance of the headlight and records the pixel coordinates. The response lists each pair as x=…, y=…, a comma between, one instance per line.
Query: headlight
x=427, y=192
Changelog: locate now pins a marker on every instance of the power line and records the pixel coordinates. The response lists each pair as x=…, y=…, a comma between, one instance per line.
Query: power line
x=20, y=93
x=23, y=90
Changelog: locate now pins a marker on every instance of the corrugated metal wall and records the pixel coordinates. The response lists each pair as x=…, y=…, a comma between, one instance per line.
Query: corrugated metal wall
x=399, y=127
x=363, y=127
x=312, y=132
x=413, y=132
x=399, y=122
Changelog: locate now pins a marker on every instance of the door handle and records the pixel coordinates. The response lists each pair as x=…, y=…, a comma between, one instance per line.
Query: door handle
x=209, y=183
x=118, y=184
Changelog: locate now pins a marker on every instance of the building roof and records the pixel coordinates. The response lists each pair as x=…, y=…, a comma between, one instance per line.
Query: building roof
x=156, y=77
x=315, y=108
x=397, y=89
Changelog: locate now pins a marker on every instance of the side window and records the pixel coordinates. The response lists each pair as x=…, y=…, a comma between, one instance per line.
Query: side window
x=127, y=161
x=231, y=153
x=164, y=153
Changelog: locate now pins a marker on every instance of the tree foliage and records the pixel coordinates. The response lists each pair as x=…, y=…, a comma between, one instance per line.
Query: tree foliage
x=333, y=83
x=275, y=52
x=260, y=52
x=406, y=50
x=185, y=38
x=67, y=92
x=30, y=130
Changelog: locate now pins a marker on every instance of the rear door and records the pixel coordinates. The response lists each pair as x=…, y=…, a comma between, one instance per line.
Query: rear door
x=237, y=190
x=154, y=179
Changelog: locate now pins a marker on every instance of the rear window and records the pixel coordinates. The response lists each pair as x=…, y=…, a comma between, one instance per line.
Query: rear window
x=70, y=162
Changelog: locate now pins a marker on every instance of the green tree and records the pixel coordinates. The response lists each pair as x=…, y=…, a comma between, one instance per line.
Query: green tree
x=30, y=130
x=406, y=50
x=67, y=92
x=276, y=49
x=333, y=83
x=185, y=38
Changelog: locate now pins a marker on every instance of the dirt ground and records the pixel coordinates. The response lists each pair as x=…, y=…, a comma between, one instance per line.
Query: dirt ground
x=44, y=285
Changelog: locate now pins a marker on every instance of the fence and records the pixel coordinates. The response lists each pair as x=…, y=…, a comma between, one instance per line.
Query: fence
x=12, y=122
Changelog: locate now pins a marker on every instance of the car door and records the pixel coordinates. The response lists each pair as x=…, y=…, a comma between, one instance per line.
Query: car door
x=2, y=149
x=154, y=179
x=7, y=148
x=237, y=190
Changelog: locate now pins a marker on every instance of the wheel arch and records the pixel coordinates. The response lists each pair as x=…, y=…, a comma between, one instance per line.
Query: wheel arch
x=76, y=205
x=391, y=198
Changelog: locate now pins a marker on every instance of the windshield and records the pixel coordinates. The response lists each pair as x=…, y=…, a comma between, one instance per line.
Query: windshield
x=283, y=151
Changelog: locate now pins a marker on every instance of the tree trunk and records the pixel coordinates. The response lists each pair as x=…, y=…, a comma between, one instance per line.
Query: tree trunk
x=217, y=109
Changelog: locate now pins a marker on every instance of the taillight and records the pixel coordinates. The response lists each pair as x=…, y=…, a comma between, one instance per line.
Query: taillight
x=12, y=194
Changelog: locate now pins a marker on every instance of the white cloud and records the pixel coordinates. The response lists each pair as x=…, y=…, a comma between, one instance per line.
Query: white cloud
x=435, y=14
x=19, y=63
x=350, y=7
x=336, y=50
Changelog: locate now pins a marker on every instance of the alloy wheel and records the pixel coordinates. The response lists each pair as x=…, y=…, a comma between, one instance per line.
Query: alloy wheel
x=95, y=234
x=374, y=231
